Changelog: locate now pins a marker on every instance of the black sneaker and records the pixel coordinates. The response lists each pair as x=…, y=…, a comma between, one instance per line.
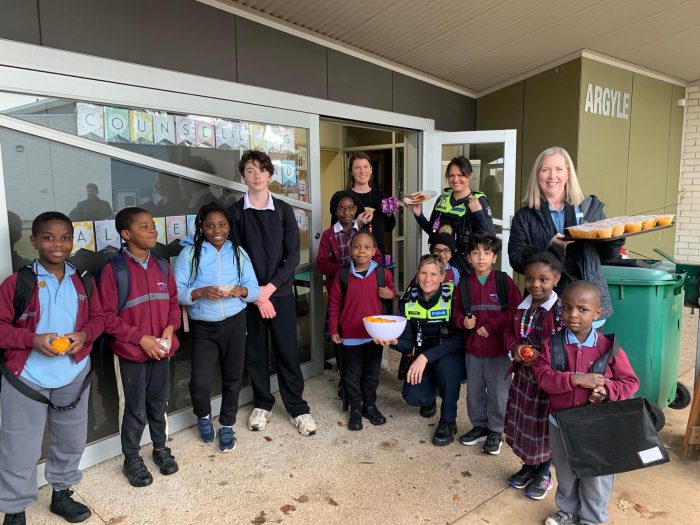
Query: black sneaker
x=65, y=506
x=15, y=519
x=474, y=436
x=444, y=433
x=538, y=487
x=137, y=473
x=428, y=411
x=355, y=420
x=523, y=477
x=493, y=443
x=563, y=518
x=374, y=415
x=165, y=461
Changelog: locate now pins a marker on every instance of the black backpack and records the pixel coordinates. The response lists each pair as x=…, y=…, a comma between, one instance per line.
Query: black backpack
x=387, y=304
x=559, y=361
x=501, y=290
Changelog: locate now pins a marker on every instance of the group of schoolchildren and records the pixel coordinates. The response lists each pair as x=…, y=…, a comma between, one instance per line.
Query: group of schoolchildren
x=237, y=287
x=501, y=347
x=505, y=348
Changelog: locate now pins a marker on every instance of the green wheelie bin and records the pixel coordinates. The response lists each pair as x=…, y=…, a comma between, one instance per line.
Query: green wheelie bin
x=648, y=304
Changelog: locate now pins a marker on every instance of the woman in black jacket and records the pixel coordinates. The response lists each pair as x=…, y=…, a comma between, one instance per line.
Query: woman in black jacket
x=554, y=201
x=370, y=198
x=459, y=211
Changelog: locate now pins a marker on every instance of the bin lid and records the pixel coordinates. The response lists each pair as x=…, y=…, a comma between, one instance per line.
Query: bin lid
x=641, y=276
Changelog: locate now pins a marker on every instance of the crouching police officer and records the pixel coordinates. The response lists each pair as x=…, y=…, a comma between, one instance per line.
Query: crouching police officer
x=432, y=349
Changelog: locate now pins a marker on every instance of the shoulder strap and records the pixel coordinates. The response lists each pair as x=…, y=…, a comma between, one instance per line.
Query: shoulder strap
x=343, y=279
x=466, y=294
x=380, y=275
x=121, y=278
x=558, y=352
x=24, y=288
x=502, y=290
x=162, y=264
x=87, y=282
x=601, y=364
x=387, y=304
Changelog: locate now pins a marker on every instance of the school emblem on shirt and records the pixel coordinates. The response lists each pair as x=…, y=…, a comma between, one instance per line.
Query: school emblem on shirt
x=41, y=284
x=493, y=297
x=162, y=286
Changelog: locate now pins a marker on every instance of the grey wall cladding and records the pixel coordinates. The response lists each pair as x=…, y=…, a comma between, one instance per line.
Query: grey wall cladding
x=19, y=20
x=414, y=97
x=458, y=112
x=179, y=35
x=355, y=81
x=277, y=60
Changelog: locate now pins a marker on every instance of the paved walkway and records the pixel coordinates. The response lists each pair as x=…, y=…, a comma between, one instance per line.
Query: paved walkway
x=389, y=474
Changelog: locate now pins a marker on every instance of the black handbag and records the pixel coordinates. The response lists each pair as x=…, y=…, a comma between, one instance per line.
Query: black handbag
x=611, y=437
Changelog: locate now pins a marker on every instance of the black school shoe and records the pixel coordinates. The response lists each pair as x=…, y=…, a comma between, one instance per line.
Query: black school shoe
x=428, y=411
x=15, y=519
x=165, y=461
x=65, y=506
x=373, y=415
x=493, y=443
x=355, y=420
x=137, y=473
x=444, y=433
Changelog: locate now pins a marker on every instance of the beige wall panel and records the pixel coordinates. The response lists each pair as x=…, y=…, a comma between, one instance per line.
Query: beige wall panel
x=675, y=145
x=503, y=109
x=331, y=181
x=650, y=122
x=603, y=144
x=550, y=116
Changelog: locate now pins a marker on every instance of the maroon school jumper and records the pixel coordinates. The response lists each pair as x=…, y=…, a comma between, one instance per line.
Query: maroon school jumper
x=18, y=339
x=526, y=426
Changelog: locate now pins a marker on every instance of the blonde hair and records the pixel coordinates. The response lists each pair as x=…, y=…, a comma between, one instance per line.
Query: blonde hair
x=572, y=190
x=431, y=259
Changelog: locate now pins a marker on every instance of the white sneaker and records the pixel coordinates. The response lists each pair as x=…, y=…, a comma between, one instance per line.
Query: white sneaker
x=305, y=424
x=258, y=419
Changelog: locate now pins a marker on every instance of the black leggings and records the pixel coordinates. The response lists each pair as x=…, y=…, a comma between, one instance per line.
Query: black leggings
x=225, y=340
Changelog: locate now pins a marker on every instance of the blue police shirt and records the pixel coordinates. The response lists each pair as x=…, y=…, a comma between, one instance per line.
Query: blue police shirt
x=58, y=310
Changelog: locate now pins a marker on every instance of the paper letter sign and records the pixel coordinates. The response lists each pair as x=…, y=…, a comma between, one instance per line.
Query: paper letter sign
x=91, y=121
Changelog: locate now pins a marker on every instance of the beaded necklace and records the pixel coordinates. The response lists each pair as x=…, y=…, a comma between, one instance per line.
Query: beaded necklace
x=525, y=331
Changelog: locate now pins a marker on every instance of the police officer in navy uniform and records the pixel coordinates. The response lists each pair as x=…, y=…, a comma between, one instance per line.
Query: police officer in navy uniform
x=459, y=211
x=432, y=348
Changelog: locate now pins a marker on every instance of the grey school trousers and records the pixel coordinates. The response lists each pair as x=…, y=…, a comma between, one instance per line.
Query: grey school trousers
x=22, y=431
x=587, y=497
x=487, y=390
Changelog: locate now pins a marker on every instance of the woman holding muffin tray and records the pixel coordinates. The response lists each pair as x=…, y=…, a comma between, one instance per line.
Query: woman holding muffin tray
x=555, y=203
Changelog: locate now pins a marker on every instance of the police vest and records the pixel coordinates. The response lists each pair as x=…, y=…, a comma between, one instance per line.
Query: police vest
x=430, y=325
x=444, y=205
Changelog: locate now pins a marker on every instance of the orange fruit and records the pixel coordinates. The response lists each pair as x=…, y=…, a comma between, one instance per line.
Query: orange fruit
x=60, y=344
x=527, y=353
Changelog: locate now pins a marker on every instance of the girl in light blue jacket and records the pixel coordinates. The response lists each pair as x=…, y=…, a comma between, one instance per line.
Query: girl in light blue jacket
x=215, y=280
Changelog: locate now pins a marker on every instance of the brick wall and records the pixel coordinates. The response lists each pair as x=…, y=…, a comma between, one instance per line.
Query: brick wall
x=688, y=221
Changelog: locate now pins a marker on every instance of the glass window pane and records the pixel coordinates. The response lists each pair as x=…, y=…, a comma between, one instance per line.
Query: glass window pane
x=41, y=175
x=202, y=142
x=487, y=162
